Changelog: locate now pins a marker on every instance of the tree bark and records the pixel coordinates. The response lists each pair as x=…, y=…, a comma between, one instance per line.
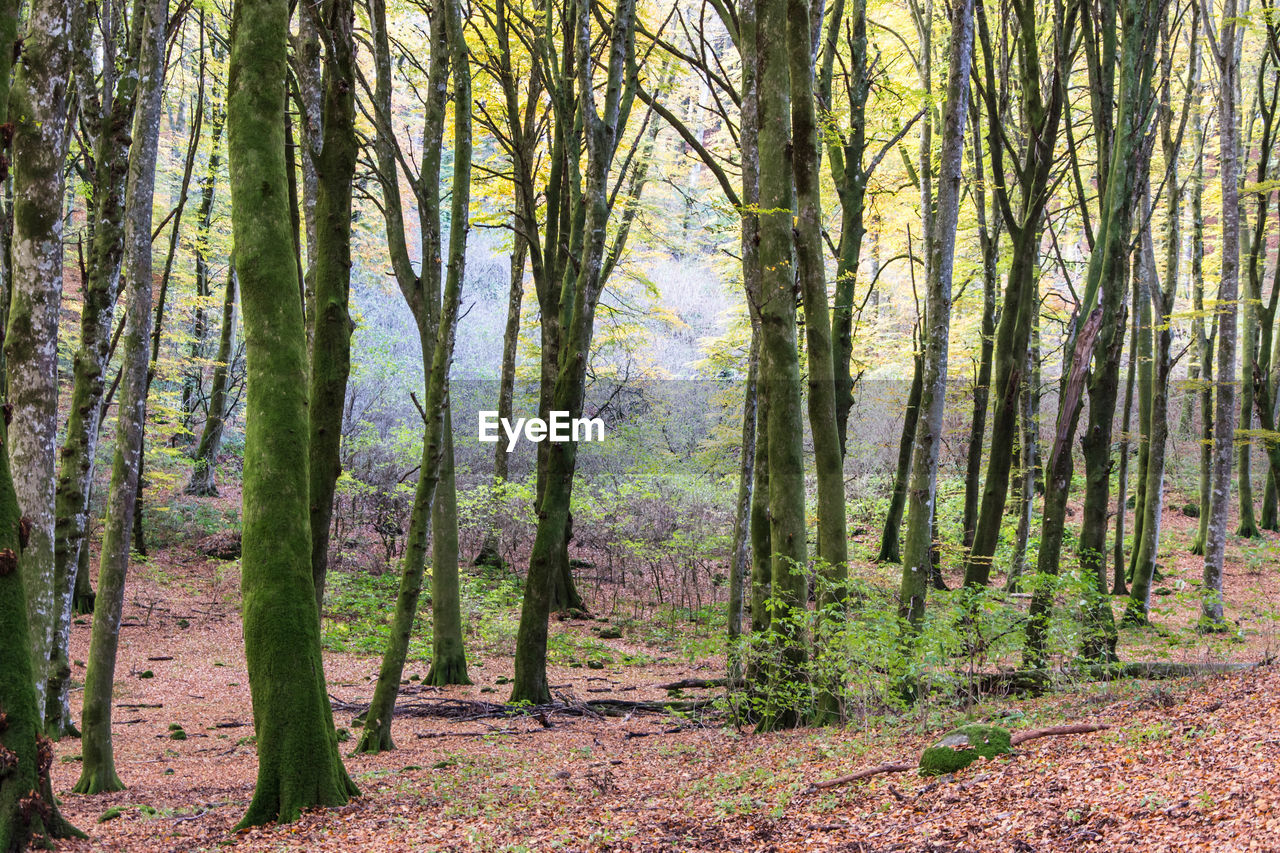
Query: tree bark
x=298, y=762
x=204, y=470
x=38, y=105
x=331, y=279
x=98, y=771
x=1224, y=426
x=922, y=493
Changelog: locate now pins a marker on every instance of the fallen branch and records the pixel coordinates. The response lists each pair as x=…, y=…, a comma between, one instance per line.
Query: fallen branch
x=862, y=774
x=1050, y=731
x=696, y=684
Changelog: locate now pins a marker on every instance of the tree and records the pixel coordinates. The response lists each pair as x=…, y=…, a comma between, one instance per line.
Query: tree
x=602, y=124
x=206, y=458
x=38, y=110
x=112, y=111
x=298, y=762
x=1099, y=331
x=433, y=298
x=922, y=492
x=1224, y=53
x=1033, y=171
x=330, y=276
x=28, y=808
x=98, y=772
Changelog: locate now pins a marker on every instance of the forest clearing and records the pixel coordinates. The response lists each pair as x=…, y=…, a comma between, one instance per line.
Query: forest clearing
x=528, y=425
x=1186, y=765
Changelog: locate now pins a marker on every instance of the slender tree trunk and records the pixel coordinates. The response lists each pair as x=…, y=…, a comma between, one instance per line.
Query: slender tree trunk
x=740, y=553
x=331, y=280
x=1119, y=563
x=601, y=134
x=921, y=493
x=436, y=311
x=1224, y=426
x=298, y=762
x=1203, y=334
x=1142, y=353
x=833, y=549
x=204, y=469
x=76, y=465
x=490, y=550
x=98, y=771
x=891, y=536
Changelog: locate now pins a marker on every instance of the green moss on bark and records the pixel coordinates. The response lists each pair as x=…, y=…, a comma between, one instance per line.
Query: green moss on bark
x=298, y=762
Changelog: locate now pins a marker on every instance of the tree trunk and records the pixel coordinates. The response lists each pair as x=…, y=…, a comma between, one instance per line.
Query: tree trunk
x=740, y=552
x=833, y=546
x=98, y=771
x=76, y=465
x=28, y=807
x=601, y=134
x=436, y=311
x=204, y=469
x=38, y=106
x=891, y=536
x=1224, y=425
x=490, y=550
x=448, y=657
x=298, y=762
x=331, y=280
x=924, y=463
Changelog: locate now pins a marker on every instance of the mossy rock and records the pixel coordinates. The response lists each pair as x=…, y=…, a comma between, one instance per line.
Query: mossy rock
x=613, y=632
x=961, y=747
x=1191, y=510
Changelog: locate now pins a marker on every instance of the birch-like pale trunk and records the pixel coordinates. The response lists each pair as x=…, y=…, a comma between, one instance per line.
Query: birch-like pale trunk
x=1224, y=426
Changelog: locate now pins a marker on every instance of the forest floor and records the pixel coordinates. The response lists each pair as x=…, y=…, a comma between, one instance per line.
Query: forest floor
x=1185, y=765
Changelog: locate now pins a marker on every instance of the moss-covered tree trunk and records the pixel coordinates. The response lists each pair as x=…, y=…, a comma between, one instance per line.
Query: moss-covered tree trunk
x=448, y=656
x=205, y=464
x=298, y=762
x=1147, y=545
x=1022, y=214
x=922, y=492
x=28, y=810
x=833, y=547
x=98, y=772
x=1142, y=353
x=38, y=114
x=330, y=278
x=1118, y=562
x=1100, y=333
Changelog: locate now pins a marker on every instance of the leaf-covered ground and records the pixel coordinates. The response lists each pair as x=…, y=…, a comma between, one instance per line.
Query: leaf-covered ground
x=1185, y=765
